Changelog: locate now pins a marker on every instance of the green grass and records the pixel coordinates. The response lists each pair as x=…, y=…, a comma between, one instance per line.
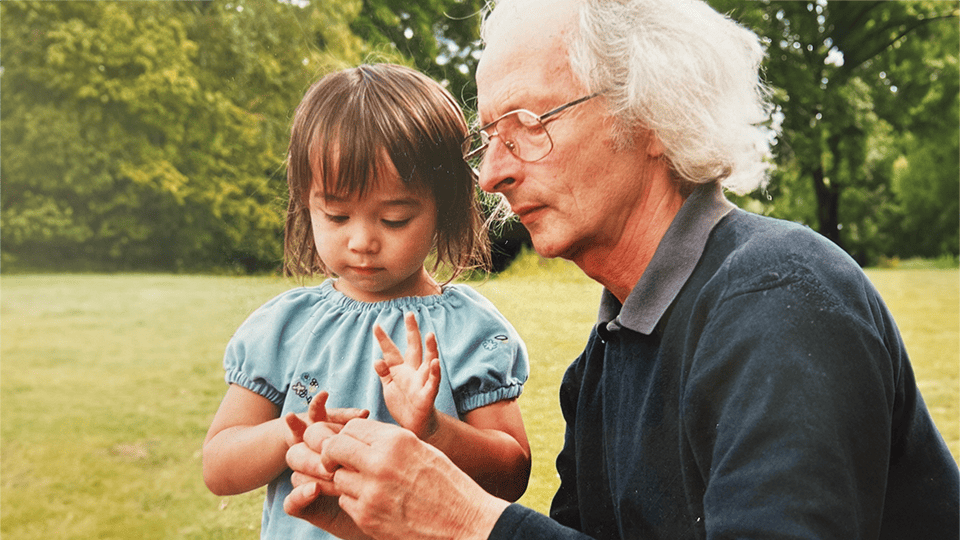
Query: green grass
x=108, y=384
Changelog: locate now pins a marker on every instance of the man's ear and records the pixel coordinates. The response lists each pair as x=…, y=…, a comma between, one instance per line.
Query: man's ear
x=655, y=148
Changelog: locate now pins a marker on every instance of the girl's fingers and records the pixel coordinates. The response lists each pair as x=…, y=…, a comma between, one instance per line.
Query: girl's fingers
x=414, y=355
x=391, y=354
x=433, y=352
x=317, y=412
x=432, y=385
x=296, y=425
x=383, y=370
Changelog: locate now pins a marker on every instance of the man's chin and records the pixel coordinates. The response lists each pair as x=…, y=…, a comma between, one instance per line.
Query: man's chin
x=549, y=248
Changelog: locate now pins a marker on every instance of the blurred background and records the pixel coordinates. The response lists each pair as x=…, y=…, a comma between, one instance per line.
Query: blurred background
x=151, y=136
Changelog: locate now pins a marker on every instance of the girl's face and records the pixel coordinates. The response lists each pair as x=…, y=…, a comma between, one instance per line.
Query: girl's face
x=377, y=244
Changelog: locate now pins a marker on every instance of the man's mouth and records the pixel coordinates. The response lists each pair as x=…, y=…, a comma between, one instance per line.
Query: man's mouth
x=528, y=212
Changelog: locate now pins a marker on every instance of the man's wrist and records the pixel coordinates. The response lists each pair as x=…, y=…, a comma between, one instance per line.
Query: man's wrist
x=486, y=515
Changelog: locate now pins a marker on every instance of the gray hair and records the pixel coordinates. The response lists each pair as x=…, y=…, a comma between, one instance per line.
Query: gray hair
x=686, y=72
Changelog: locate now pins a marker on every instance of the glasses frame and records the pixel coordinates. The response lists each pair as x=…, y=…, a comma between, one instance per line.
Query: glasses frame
x=467, y=156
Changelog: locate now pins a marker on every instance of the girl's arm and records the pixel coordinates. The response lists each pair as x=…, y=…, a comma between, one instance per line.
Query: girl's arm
x=490, y=444
x=246, y=444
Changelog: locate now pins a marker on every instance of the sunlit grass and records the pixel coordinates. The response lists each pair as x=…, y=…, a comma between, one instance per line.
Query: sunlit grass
x=108, y=385
x=926, y=305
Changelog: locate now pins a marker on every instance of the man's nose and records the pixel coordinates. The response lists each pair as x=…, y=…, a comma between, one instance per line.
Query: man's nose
x=499, y=170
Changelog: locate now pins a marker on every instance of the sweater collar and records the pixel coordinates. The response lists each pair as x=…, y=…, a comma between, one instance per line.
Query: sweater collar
x=672, y=264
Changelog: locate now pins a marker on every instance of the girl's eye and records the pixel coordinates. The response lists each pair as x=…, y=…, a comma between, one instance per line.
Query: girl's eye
x=336, y=218
x=396, y=224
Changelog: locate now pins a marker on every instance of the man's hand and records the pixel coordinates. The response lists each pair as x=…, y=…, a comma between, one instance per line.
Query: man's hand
x=318, y=412
x=393, y=485
x=314, y=498
x=410, y=381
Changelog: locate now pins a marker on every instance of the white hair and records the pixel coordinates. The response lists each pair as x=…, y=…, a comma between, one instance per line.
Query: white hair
x=684, y=71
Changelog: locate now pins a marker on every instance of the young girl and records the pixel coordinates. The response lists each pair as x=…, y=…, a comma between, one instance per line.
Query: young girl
x=377, y=183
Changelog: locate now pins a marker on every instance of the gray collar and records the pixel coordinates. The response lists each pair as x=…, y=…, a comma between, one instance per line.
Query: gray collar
x=672, y=263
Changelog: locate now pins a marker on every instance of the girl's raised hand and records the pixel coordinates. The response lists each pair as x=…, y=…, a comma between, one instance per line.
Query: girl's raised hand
x=410, y=381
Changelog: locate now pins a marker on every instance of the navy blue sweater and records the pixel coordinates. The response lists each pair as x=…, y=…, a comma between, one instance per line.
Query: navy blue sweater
x=768, y=396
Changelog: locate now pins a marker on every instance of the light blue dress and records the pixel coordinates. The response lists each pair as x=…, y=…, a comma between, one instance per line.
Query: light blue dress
x=315, y=338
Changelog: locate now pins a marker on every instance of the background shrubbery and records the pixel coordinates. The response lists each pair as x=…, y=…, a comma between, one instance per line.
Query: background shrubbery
x=152, y=135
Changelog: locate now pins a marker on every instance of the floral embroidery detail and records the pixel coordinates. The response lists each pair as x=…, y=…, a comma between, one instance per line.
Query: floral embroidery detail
x=306, y=387
x=492, y=343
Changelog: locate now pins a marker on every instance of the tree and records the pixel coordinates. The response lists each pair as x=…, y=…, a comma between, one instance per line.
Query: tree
x=439, y=37
x=152, y=135
x=833, y=65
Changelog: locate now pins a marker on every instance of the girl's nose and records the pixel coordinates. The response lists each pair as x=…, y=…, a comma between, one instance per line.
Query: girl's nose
x=364, y=239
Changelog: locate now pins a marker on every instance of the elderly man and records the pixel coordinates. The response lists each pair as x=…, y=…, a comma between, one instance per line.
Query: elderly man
x=744, y=379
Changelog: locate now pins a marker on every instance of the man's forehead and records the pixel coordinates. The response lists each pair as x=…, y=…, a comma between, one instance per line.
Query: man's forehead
x=525, y=49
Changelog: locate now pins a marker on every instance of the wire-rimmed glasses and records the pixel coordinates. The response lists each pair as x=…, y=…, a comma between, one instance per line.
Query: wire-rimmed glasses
x=521, y=131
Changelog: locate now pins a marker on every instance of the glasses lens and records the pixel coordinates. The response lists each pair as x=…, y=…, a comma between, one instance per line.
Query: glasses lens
x=520, y=131
x=524, y=135
x=474, y=147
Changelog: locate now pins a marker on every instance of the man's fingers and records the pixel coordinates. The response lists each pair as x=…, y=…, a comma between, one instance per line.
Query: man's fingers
x=300, y=498
x=347, y=483
x=324, y=484
x=305, y=461
x=351, y=447
x=339, y=451
x=342, y=416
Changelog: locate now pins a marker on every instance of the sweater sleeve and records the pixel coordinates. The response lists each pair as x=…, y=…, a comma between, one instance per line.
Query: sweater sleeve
x=565, y=507
x=520, y=523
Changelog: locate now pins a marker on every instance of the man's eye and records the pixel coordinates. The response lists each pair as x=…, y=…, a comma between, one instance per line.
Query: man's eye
x=396, y=223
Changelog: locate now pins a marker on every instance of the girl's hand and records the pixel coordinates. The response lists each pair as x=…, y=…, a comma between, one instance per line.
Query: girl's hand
x=332, y=419
x=410, y=381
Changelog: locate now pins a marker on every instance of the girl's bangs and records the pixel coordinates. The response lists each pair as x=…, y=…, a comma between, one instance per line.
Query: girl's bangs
x=351, y=149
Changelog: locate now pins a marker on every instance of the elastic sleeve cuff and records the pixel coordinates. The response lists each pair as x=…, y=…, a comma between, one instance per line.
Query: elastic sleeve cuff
x=257, y=386
x=474, y=401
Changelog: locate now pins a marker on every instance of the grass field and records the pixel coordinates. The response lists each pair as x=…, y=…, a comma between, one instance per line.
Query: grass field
x=108, y=384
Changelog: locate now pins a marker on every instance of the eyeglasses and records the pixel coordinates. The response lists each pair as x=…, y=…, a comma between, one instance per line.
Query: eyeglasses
x=521, y=131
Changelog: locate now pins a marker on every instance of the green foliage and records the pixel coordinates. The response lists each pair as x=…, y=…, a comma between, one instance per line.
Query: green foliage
x=439, y=37
x=152, y=135
x=868, y=96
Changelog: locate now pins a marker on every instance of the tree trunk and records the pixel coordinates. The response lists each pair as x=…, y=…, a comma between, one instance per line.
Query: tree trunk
x=828, y=201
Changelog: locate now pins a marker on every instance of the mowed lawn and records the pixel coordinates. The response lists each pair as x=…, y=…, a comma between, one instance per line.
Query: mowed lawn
x=108, y=384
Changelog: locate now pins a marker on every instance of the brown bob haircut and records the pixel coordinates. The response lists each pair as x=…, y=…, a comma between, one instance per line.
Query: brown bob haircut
x=348, y=124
